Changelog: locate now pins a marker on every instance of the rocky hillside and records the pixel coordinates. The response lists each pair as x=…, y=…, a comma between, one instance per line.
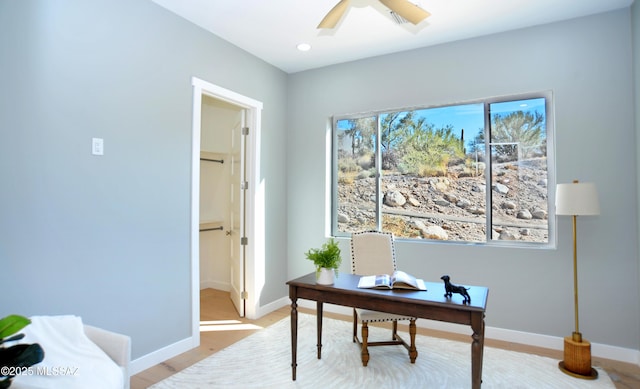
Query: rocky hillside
x=453, y=207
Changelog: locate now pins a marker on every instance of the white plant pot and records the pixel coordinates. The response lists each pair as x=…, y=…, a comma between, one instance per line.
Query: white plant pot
x=326, y=276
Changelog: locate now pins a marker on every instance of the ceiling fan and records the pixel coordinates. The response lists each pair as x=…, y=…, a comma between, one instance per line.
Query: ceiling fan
x=403, y=8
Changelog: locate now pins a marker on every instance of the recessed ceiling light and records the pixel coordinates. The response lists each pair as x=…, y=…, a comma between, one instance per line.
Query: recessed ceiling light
x=304, y=47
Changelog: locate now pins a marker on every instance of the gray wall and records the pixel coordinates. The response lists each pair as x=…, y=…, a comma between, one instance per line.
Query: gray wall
x=587, y=63
x=107, y=238
x=635, y=17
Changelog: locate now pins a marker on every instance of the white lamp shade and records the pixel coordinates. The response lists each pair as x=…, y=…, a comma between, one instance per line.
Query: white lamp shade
x=578, y=198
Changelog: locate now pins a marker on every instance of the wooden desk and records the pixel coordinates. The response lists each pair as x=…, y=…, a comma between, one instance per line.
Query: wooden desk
x=430, y=304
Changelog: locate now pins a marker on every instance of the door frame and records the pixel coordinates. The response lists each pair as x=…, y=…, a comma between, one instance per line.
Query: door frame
x=254, y=212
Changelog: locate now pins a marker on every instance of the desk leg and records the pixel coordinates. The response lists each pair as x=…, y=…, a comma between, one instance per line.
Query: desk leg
x=477, y=349
x=294, y=331
x=319, y=327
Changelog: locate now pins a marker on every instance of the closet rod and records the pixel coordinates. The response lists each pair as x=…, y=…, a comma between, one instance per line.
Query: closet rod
x=212, y=160
x=212, y=229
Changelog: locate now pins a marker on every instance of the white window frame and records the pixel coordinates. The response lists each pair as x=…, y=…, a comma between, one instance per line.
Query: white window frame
x=551, y=176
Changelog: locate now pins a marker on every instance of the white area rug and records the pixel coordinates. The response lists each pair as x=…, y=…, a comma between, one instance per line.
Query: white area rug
x=263, y=360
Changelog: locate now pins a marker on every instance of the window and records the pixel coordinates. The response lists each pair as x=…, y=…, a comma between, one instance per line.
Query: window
x=475, y=172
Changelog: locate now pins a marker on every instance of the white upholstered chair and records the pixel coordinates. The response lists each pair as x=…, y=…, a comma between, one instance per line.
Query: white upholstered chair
x=373, y=253
x=88, y=356
x=115, y=345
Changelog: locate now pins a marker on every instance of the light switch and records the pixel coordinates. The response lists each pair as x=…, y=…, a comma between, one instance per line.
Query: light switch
x=97, y=146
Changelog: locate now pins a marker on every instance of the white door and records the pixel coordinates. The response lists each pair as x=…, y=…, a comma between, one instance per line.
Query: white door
x=237, y=158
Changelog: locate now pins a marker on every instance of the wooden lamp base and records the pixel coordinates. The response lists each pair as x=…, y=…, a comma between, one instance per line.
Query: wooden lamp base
x=577, y=358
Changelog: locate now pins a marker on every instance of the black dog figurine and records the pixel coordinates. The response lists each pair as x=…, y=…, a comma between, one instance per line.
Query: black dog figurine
x=451, y=288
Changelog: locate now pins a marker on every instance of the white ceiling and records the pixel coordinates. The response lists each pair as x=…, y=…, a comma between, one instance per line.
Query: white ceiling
x=271, y=29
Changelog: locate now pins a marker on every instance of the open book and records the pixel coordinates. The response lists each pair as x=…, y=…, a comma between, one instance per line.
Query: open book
x=397, y=280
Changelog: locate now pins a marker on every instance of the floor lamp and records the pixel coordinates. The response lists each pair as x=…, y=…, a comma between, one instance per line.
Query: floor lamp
x=577, y=199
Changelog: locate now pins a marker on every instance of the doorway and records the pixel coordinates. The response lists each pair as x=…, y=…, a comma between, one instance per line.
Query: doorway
x=233, y=215
x=222, y=198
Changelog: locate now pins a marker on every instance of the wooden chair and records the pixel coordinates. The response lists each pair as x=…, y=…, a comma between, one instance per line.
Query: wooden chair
x=372, y=253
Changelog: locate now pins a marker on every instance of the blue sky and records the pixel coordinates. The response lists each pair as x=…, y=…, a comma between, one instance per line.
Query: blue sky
x=470, y=117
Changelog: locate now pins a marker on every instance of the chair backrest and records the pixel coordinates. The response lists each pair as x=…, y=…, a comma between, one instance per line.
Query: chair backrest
x=372, y=252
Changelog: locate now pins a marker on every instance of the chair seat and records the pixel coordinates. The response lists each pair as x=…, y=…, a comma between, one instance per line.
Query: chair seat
x=368, y=316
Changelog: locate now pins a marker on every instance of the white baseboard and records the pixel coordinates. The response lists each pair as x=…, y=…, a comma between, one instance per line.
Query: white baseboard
x=170, y=351
x=616, y=353
x=526, y=338
x=161, y=355
x=218, y=285
x=606, y=351
x=266, y=309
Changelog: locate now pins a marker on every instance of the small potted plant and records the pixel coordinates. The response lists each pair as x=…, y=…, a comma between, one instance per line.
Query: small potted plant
x=327, y=261
x=18, y=357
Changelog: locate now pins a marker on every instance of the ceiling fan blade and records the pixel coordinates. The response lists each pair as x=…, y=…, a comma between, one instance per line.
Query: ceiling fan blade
x=407, y=10
x=334, y=16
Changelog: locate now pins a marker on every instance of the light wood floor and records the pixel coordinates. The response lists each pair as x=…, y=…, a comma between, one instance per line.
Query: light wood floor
x=215, y=306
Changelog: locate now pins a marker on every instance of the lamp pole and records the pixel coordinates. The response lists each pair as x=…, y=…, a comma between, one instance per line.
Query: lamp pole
x=577, y=336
